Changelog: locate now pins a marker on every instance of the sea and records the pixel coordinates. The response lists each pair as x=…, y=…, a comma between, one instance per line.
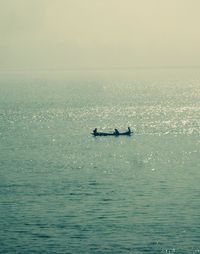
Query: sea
x=64, y=191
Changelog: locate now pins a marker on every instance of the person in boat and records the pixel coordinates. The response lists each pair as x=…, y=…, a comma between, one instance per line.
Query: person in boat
x=95, y=131
x=116, y=132
x=129, y=130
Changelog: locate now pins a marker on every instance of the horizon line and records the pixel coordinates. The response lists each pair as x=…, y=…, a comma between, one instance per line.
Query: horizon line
x=98, y=68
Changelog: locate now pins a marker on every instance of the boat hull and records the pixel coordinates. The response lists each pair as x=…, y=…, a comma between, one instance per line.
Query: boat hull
x=111, y=134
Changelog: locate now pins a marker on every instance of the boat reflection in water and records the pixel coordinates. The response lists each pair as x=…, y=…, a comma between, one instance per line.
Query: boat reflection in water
x=115, y=133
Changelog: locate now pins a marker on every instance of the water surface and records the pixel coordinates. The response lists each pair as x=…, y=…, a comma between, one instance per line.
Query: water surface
x=64, y=191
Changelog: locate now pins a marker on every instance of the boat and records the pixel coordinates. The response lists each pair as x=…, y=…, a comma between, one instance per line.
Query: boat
x=116, y=133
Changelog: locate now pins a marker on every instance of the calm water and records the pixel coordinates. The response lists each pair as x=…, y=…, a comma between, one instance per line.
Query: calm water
x=64, y=191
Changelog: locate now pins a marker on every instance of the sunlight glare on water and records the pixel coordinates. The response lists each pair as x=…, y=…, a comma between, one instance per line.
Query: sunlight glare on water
x=64, y=191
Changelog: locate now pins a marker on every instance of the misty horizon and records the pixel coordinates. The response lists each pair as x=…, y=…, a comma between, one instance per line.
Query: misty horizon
x=111, y=34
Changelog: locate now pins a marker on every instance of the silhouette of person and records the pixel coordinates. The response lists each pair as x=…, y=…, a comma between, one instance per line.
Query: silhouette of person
x=95, y=131
x=116, y=132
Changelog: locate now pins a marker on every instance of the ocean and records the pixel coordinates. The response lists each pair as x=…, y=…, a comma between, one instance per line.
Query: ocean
x=64, y=191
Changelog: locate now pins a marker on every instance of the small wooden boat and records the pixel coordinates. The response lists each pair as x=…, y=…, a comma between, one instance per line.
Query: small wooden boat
x=126, y=133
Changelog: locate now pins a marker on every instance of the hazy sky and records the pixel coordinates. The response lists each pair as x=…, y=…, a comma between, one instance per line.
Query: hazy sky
x=99, y=33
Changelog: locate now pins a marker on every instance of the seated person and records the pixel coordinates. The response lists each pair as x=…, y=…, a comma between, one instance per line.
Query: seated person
x=116, y=132
x=95, y=131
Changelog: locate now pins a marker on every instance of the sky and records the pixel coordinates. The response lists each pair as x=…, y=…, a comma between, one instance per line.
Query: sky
x=78, y=34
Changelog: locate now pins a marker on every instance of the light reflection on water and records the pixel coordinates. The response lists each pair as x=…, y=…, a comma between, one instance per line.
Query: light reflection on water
x=64, y=191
